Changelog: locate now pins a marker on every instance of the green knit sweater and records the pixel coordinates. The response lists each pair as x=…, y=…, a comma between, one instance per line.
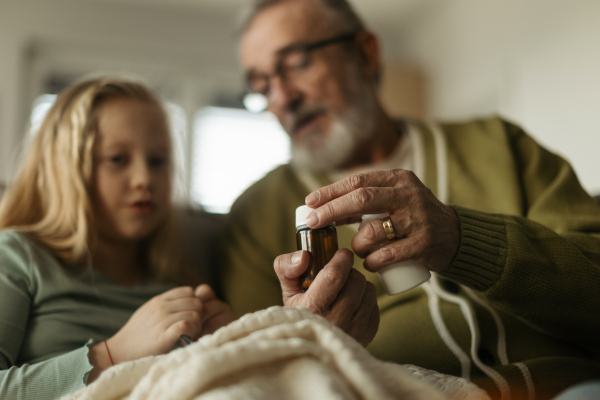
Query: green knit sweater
x=49, y=317
x=526, y=273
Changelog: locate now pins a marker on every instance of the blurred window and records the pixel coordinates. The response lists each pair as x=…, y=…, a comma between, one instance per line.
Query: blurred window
x=40, y=108
x=178, y=124
x=233, y=148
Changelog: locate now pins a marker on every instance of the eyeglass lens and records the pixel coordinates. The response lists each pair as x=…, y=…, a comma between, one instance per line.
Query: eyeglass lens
x=295, y=64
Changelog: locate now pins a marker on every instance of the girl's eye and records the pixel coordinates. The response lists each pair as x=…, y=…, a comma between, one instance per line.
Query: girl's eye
x=156, y=161
x=119, y=159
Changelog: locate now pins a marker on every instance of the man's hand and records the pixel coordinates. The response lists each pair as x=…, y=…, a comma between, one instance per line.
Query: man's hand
x=427, y=230
x=339, y=293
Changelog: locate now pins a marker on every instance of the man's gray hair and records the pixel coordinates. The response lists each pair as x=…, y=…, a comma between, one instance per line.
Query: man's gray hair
x=342, y=10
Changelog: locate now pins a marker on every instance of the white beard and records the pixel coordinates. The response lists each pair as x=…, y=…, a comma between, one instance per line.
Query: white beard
x=333, y=151
x=348, y=133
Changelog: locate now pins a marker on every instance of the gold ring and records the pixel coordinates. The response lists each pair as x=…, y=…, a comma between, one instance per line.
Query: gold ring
x=388, y=228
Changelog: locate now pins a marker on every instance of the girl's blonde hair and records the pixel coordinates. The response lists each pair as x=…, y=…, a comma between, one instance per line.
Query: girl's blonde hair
x=50, y=200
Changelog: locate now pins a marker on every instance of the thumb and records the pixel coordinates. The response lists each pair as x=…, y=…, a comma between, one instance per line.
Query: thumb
x=288, y=268
x=204, y=292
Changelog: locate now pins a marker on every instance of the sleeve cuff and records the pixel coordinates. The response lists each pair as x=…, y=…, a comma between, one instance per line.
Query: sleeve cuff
x=481, y=254
x=86, y=366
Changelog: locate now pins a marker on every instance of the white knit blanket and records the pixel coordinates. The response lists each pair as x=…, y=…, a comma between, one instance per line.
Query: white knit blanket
x=278, y=353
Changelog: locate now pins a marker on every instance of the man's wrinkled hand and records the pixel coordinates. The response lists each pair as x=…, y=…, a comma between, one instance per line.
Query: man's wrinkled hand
x=426, y=229
x=339, y=293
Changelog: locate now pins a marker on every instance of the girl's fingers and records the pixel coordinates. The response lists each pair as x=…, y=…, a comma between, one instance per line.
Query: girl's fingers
x=182, y=304
x=221, y=318
x=176, y=293
x=181, y=327
x=213, y=308
x=205, y=293
x=183, y=323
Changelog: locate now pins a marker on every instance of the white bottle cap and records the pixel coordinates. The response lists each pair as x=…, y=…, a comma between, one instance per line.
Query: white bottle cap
x=301, y=214
x=401, y=276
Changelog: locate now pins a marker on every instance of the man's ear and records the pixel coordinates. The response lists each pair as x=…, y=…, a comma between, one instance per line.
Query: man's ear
x=369, y=55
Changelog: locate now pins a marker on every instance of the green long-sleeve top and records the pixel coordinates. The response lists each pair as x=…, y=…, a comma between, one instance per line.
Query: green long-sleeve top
x=50, y=316
x=528, y=264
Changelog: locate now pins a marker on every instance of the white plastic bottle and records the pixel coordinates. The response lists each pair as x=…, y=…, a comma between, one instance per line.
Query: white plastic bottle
x=401, y=276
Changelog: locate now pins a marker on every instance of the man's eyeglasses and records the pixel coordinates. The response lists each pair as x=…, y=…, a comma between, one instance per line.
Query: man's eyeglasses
x=294, y=64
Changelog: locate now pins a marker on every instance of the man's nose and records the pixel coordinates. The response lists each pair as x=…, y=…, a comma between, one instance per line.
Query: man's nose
x=284, y=95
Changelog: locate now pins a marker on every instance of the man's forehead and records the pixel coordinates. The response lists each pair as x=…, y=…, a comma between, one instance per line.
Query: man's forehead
x=278, y=26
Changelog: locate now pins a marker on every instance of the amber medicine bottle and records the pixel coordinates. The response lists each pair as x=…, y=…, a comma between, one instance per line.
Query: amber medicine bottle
x=321, y=245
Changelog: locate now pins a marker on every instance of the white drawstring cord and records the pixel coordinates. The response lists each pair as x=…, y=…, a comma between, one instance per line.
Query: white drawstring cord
x=502, y=355
x=499, y=325
x=436, y=316
x=528, y=380
x=441, y=161
x=469, y=315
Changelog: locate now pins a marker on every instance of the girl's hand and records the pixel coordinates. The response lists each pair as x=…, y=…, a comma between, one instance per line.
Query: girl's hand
x=216, y=313
x=152, y=330
x=155, y=327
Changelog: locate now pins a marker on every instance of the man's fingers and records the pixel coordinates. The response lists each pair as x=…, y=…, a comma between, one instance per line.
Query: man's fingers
x=374, y=320
x=400, y=250
x=292, y=265
x=370, y=200
x=328, y=282
x=368, y=311
x=348, y=221
x=374, y=317
x=348, y=300
x=288, y=268
x=368, y=179
x=371, y=234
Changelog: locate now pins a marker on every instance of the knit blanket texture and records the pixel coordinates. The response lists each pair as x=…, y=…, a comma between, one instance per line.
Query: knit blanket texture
x=278, y=353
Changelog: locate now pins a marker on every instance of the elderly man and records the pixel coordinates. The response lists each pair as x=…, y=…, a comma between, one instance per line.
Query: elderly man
x=512, y=238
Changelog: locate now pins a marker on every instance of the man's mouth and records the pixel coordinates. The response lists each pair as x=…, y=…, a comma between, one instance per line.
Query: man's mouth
x=303, y=122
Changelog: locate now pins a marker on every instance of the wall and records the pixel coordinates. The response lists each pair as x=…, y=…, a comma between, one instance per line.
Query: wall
x=536, y=62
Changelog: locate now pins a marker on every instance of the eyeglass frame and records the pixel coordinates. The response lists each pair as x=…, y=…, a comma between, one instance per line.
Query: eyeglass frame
x=306, y=48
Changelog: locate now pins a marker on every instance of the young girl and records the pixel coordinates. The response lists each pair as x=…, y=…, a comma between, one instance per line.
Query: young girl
x=89, y=265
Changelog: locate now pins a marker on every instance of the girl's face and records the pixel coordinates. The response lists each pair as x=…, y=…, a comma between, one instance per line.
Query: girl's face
x=131, y=184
